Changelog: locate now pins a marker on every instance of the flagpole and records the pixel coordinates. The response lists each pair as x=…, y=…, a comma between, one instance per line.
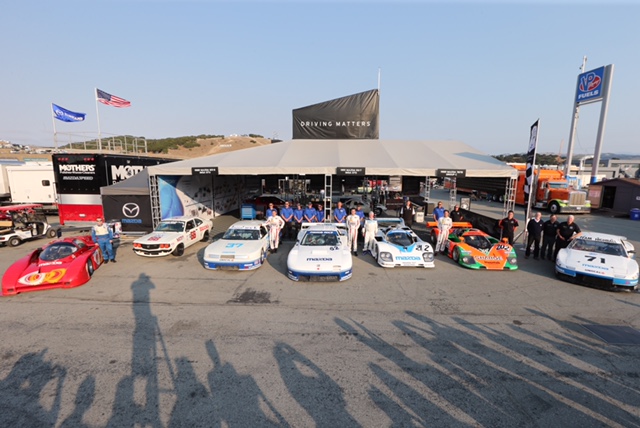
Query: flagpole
x=98, y=117
x=53, y=119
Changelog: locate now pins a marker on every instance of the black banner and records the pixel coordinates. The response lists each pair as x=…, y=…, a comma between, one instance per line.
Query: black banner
x=451, y=173
x=352, y=117
x=350, y=171
x=134, y=212
x=204, y=170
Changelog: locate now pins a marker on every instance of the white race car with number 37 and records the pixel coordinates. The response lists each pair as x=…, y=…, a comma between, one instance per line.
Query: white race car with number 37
x=172, y=236
x=244, y=246
x=599, y=260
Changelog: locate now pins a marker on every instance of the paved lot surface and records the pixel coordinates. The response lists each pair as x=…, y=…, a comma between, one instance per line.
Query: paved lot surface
x=164, y=342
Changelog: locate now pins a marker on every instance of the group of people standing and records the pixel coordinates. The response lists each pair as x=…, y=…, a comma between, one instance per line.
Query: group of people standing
x=288, y=222
x=546, y=237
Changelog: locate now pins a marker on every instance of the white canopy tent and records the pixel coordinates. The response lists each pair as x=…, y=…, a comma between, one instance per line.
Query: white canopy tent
x=379, y=157
x=324, y=157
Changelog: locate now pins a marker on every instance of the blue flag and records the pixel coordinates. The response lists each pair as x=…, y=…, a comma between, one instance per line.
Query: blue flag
x=66, y=115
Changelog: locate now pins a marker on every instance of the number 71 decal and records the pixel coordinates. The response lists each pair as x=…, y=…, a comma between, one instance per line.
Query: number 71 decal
x=592, y=258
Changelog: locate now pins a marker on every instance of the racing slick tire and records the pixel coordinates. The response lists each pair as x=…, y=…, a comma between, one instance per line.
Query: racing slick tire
x=15, y=241
x=52, y=233
x=90, y=268
x=205, y=237
x=456, y=255
x=378, y=211
x=554, y=207
x=433, y=238
x=178, y=251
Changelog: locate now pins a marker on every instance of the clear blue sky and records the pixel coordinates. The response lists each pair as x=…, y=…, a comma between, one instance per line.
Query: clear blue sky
x=478, y=72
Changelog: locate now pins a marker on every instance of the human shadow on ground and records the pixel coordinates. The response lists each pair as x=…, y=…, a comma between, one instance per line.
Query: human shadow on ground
x=319, y=395
x=23, y=388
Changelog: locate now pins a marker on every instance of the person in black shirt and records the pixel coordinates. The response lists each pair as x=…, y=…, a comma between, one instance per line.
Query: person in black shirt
x=567, y=231
x=534, y=233
x=407, y=212
x=509, y=225
x=549, y=233
x=456, y=215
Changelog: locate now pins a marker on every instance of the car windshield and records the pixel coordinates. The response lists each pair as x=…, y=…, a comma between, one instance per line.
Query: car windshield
x=241, y=235
x=558, y=185
x=477, y=241
x=320, y=239
x=57, y=251
x=170, y=226
x=400, y=238
x=610, y=248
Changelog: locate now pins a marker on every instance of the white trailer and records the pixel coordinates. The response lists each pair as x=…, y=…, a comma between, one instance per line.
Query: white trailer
x=32, y=184
x=5, y=190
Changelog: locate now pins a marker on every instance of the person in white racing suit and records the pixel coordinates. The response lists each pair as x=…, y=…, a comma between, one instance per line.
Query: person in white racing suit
x=274, y=225
x=369, y=232
x=353, y=224
x=444, y=227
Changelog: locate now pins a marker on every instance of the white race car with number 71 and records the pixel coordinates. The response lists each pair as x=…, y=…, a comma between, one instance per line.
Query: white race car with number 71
x=599, y=260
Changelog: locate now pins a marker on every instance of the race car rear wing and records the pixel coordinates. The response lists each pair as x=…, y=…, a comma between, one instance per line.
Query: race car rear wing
x=455, y=224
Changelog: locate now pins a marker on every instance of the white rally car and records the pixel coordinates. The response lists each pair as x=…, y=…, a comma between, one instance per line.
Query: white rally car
x=599, y=260
x=320, y=253
x=172, y=236
x=397, y=245
x=244, y=246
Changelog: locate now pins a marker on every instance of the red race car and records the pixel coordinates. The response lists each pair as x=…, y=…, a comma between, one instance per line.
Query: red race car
x=63, y=263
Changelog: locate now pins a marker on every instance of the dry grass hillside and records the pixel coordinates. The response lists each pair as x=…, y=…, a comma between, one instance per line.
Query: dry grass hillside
x=212, y=146
x=207, y=147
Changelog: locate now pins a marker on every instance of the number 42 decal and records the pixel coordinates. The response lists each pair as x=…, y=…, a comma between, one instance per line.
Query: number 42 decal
x=592, y=258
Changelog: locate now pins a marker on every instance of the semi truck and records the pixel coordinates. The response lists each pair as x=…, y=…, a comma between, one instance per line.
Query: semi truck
x=552, y=191
x=79, y=177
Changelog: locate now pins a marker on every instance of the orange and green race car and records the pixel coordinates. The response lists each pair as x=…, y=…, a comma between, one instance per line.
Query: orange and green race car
x=474, y=249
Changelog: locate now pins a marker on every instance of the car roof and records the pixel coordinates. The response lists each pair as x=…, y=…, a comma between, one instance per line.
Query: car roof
x=181, y=218
x=321, y=228
x=602, y=237
x=246, y=224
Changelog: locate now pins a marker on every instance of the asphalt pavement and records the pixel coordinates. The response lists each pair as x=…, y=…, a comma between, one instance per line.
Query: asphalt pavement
x=164, y=342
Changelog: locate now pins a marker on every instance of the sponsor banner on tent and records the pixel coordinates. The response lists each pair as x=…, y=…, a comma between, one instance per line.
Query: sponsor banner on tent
x=351, y=117
x=133, y=212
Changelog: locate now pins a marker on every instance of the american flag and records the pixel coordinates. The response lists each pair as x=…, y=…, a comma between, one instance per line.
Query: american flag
x=111, y=100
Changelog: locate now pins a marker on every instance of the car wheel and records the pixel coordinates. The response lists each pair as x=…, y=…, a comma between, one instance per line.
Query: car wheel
x=90, y=268
x=456, y=255
x=52, y=233
x=434, y=238
x=378, y=211
x=179, y=250
x=554, y=207
x=15, y=241
x=205, y=237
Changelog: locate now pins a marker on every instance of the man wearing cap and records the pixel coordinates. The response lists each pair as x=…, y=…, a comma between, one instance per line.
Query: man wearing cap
x=103, y=236
x=310, y=214
x=287, y=215
x=320, y=214
x=298, y=218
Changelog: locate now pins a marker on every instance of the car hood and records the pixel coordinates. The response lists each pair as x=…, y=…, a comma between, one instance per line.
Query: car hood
x=596, y=263
x=230, y=246
x=158, y=238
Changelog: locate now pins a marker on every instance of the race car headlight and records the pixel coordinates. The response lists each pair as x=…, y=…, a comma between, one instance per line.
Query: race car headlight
x=386, y=256
x=469, y=260
x=513, y=260
x=427, y=257
x=165, y=246
x=136, y=245
x=213, y=256
x=241, y=257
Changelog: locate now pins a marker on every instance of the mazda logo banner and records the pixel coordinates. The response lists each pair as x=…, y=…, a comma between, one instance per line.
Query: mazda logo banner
x=134, y=212
x=352, y=117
